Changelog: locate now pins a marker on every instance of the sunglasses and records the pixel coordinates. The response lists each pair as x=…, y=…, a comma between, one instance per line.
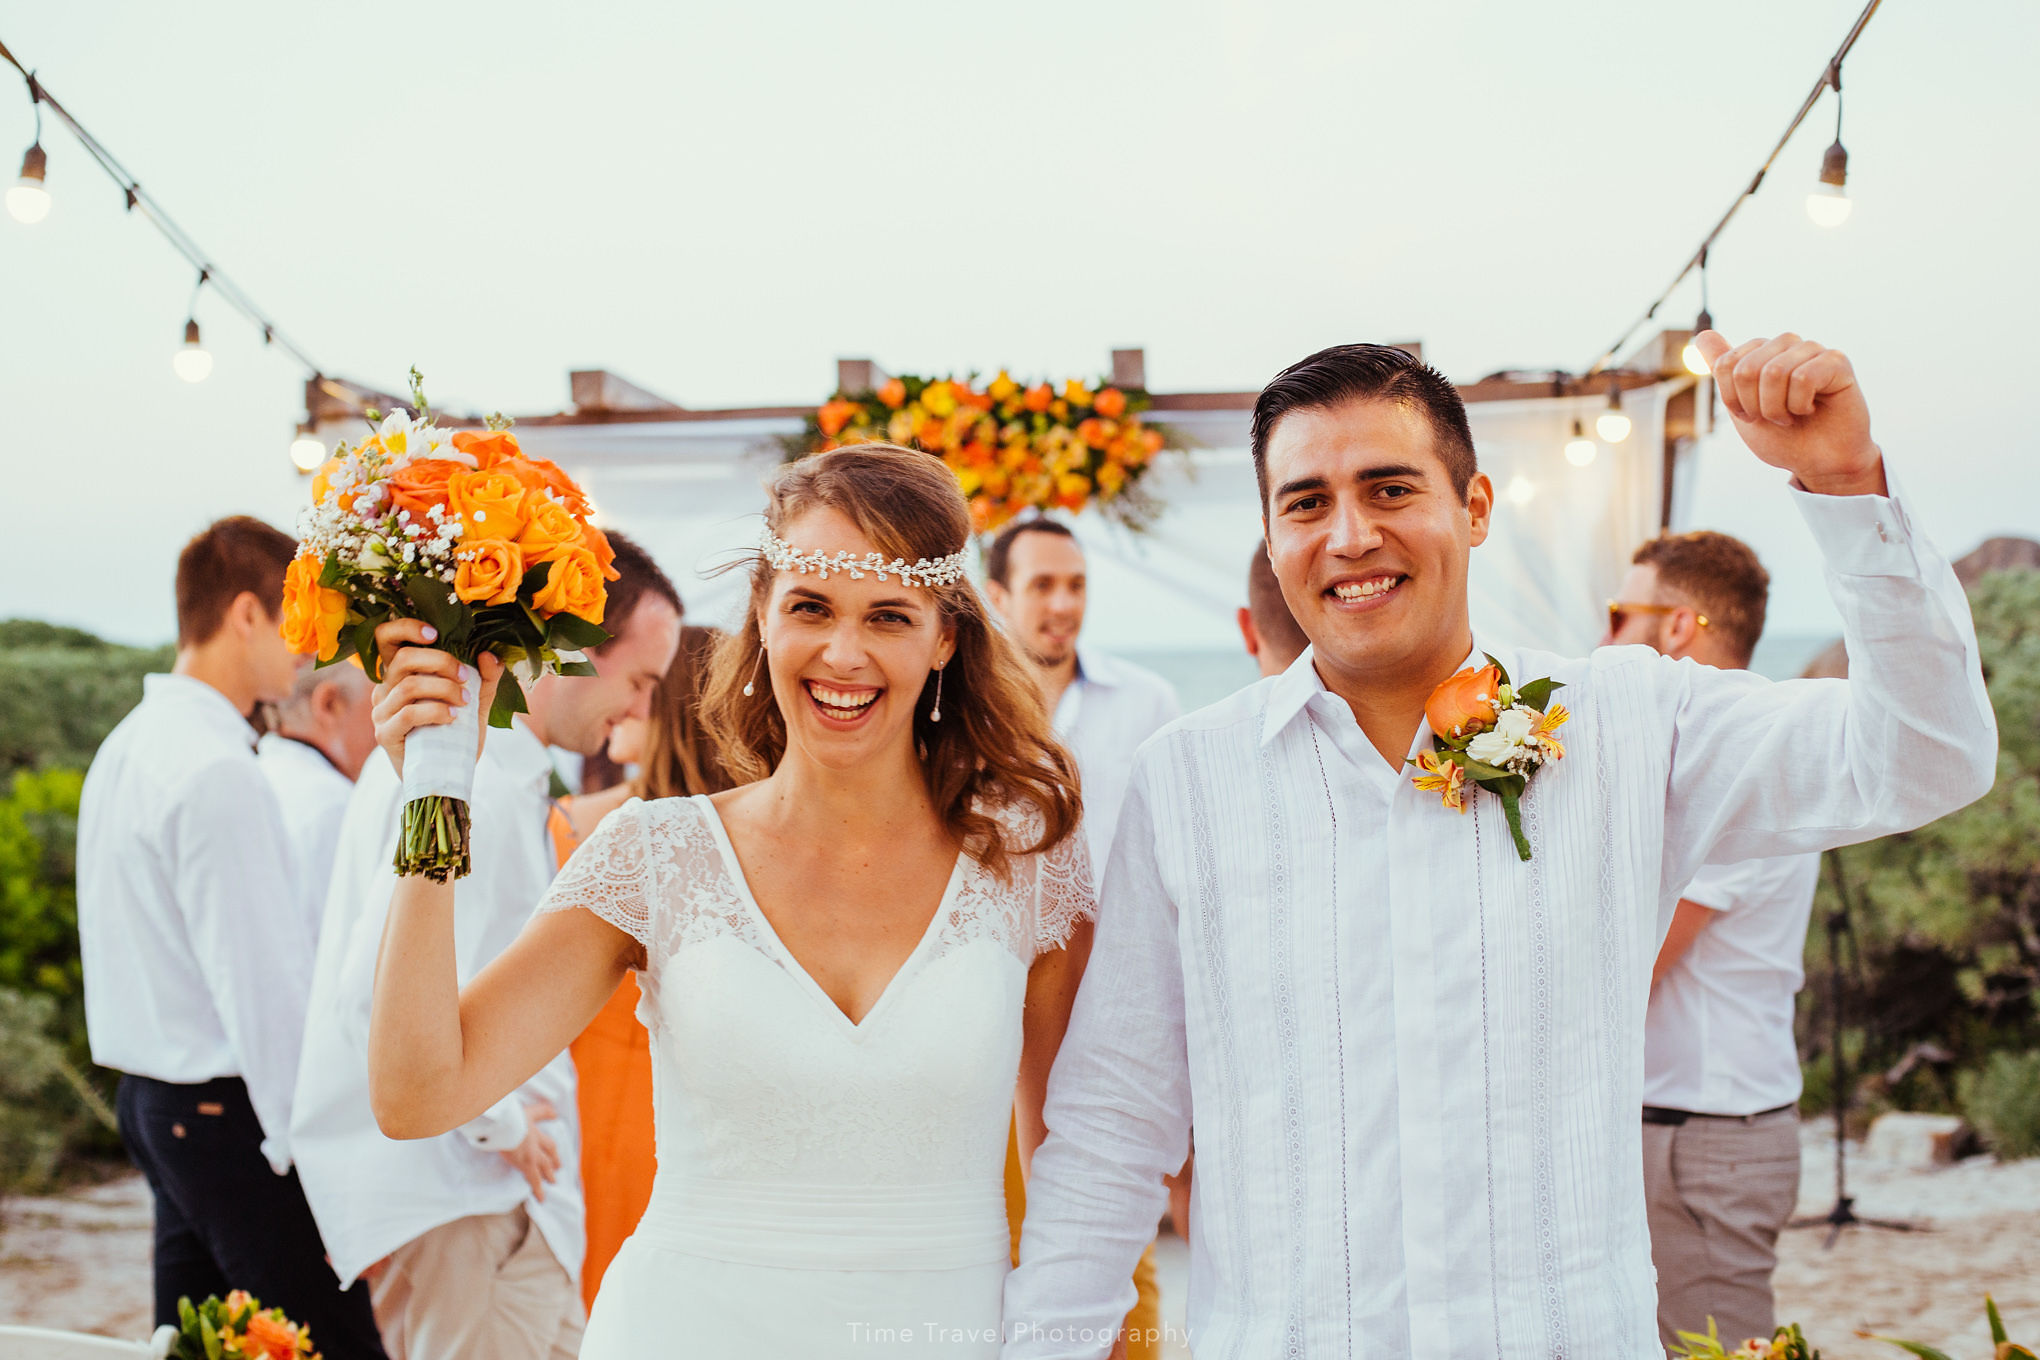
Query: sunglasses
x=1620, y=610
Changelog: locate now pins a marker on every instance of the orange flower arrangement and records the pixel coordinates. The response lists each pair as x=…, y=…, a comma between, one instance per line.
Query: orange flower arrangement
x=1012, y=448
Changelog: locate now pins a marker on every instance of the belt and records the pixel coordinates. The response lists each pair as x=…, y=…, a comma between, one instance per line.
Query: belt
x=1658, y=1114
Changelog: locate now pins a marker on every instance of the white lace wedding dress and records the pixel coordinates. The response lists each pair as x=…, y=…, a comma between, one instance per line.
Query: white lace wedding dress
x=824, y=1189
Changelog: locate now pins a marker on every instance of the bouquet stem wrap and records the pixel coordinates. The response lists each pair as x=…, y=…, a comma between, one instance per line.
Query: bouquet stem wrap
x=439, y=778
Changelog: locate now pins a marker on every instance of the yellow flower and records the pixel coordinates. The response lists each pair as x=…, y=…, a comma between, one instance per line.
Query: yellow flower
x=1003, y=388
x=1446, y=778
x=938, y=398
x=1543, y=729
x=1076, y=393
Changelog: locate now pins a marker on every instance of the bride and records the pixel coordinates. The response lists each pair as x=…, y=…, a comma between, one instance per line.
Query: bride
x=849, y=964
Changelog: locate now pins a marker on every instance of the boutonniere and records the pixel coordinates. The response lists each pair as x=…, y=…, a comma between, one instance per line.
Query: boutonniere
x=1491, y=734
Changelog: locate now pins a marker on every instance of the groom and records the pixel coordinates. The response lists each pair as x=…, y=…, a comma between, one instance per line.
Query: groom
x=1412, y=1059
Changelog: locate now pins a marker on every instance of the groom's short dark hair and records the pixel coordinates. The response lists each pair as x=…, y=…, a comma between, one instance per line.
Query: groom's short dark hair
x=1343, y=373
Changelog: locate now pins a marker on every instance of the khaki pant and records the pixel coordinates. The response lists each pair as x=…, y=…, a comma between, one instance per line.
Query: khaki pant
x=480, y=1288
x=1719, y=1192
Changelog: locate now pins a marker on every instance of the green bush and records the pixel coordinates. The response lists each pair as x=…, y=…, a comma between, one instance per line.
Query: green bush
x=32, y=1124
x=2003, y=1102
x=62, y=690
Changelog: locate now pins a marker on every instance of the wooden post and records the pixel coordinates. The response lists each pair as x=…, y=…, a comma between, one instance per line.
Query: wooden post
x=1129, y=368
x=859, y=375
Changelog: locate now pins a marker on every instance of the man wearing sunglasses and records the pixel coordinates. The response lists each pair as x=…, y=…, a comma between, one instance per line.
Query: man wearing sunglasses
x=1721, y=1072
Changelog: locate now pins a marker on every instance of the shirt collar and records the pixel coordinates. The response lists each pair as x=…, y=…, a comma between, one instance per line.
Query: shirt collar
x=184, y=689
x=1097, y=668
x=1294, y=689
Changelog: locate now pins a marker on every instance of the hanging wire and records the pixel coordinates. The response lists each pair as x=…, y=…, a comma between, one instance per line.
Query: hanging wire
x=1831, y=74
x=140, y=200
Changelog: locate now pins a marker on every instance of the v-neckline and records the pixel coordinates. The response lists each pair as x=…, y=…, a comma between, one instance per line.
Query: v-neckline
x=727, y=848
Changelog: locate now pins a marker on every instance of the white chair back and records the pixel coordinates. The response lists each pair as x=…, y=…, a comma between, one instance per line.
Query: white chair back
x=38, y=1343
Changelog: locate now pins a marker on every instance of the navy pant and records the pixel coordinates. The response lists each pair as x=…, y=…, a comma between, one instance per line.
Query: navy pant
x=225, y=1221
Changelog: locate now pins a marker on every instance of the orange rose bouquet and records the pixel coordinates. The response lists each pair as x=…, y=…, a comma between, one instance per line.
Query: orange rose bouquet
x=1493, y=735
x=237, y=1328
x=461, y=530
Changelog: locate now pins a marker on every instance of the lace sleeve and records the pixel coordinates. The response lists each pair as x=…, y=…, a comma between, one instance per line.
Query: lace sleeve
x=611, y=875
x=1063, y=892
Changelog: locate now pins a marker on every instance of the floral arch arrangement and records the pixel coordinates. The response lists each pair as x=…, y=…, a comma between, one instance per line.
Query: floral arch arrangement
x=1013, y=448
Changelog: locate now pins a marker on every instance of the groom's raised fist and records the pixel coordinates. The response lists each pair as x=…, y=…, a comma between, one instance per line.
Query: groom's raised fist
x=1797, y=406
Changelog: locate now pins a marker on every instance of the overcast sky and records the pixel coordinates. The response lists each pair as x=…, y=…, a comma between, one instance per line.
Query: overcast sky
x=718, y=201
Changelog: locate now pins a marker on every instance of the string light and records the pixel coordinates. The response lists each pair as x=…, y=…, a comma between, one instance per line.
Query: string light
x=192, y=362
x=307, y=451
x=1831, y=193
x=1696, y=362
x=1521, y=490
x=1828, y=203
x=1611, y=424
x=28, y=201
x=1580, y=450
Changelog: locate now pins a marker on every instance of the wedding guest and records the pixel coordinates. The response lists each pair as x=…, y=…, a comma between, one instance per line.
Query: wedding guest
x=197, y=956
x=1266, y=625
x=1413, y=1056
x=312, y=754
x=472, y=1240
x=1036, y=578
x=672, y=758
x=1720, y=1069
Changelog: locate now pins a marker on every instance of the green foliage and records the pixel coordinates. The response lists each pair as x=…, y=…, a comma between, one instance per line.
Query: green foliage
x=1947, y=918
x=62, y=690
x=31, y=1143
x=2003, y=1102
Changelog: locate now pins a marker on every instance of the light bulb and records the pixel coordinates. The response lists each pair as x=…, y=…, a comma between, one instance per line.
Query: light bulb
x=1828, y=204
x=191, y=361
x=1612, y=425
x=1580, y=450
x=1521, y=490
x=308, y=451
x=28, y=200
x=1696, y=362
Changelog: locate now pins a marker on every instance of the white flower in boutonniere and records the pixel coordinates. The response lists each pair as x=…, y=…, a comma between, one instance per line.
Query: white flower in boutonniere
x=1493, y=735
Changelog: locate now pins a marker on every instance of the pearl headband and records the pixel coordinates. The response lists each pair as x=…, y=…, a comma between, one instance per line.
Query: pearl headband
x=940, y=571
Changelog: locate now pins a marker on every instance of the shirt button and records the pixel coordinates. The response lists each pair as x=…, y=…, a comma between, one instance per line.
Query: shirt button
x=176, y=1130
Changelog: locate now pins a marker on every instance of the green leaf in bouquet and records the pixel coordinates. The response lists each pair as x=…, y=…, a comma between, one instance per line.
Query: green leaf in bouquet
x=436, y=605
x=1924, y=1352
x=1537, y=694
x=571, y=633
x=534, y=580
x=187, y=1316
x=332, y=573
x=1486, y=775
x=575, y=667
x=209, y=1338
x=509, y=700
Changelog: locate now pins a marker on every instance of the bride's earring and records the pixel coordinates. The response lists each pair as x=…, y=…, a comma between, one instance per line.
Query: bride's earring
x=936, y=715
x=751, y=685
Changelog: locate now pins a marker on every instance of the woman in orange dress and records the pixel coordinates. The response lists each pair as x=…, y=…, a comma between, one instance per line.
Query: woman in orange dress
x=613, y=1056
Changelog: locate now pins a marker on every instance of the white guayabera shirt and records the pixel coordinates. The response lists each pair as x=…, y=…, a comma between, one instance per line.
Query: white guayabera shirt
x=372, y=1194
x=1414, y=1062
x=312, y=795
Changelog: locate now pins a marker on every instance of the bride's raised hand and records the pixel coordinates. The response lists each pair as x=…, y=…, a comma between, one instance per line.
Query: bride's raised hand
x=421, y=685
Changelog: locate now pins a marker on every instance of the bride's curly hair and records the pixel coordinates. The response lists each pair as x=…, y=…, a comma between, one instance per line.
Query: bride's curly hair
x=994, y=748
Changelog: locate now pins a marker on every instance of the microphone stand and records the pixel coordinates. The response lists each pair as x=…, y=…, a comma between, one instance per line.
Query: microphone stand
x=1843, y=1214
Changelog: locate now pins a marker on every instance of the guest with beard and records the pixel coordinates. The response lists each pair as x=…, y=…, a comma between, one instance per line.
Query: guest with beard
x=1037, y=579
x=671, y=757
x=311, y=755
x=472, y=1240
x=197, y=955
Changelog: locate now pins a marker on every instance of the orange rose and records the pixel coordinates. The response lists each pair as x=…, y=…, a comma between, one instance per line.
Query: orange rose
x=312, y=614
x=597, y=542
x=487, y=449
x=893, y=393
x=573, y=585
x=834, y=416
x=1464, y=704
x=1111, y=403
x=550, y=528
x=490, y=502
x=543, y=475
x=270, y=1337
x=1038, y=397
x=489, y=571
x=419, y=485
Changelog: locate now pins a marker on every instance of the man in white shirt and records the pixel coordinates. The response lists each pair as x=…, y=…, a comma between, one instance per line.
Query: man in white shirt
x=1104, y=708
x=196, y=957
x=311, y=755
x=1720, y=1068
x=1413, y=1058
x=472, y=1241
x=1266, y=626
